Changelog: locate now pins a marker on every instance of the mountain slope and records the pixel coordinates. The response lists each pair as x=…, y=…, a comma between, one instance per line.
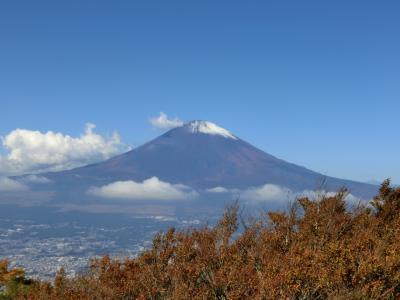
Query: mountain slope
x=202, y=155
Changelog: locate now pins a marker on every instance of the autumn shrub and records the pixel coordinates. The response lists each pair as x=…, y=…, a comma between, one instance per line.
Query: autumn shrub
x=12, y=281
x=317, y=249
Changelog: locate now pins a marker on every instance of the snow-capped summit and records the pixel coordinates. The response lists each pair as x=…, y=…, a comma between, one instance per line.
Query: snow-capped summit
x=199, y=126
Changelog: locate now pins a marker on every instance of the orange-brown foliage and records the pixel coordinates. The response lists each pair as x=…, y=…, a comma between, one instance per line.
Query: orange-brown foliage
x=318, y=249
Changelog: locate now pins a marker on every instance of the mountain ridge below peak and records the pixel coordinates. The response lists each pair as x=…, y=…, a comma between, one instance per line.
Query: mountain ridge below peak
x=202, y=155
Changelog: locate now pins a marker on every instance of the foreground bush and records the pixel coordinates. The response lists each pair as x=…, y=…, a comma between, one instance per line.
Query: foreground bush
x=318, y=249
x=12, y=282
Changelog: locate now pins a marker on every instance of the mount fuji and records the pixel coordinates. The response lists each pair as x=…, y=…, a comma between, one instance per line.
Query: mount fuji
x=196, y=160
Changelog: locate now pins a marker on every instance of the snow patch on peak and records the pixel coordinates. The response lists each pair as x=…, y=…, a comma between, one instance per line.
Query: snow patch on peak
x=209, y=128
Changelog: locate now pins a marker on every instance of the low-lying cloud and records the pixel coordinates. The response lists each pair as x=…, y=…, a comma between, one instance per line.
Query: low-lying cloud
x=149, y=189
x=162, y=122
x=35, y=179
x=11, y=185
x=218, y=190
x=273, y=193
x=31, y=151
x=267, y=193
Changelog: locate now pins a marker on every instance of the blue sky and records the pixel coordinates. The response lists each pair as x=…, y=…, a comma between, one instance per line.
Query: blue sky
x=312, y=82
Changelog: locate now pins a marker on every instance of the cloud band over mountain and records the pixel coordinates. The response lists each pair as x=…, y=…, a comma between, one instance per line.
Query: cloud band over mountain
x=149, y=189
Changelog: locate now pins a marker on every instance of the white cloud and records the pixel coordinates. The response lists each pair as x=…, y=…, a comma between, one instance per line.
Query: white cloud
x=314, y=195
x=276, y=193
x=149, y=189
x=353, y=200
x=218, y=189
x=34, y=151
x=267, y=193
x=34, y=179
x=11, y=185
x=163, y=122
